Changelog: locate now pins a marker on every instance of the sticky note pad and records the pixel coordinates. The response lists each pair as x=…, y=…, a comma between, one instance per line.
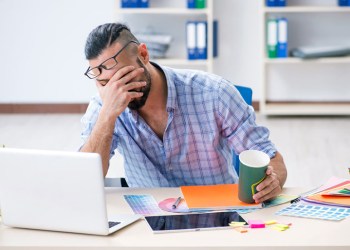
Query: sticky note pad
x=256, y=224
x=282, y=226
x=270, y=222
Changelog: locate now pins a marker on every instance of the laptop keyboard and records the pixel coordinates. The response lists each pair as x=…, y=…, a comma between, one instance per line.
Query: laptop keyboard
x=113, y=223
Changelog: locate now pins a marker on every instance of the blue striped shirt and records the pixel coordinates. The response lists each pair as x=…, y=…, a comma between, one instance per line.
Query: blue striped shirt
x=207, y=120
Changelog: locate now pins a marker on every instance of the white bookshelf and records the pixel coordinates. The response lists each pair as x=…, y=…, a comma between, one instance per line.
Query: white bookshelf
x=300, y=107
x=163, y=11
x=307, y=9
x=166, y=10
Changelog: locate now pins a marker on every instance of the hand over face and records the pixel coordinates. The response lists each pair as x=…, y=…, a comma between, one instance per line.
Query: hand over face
x=120, y=90
x=269, y=188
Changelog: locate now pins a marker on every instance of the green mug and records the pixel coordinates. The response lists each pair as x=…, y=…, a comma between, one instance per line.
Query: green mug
x=252, y=171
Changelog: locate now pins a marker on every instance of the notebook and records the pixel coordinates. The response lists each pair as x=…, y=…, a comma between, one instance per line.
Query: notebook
x=214, y=197
x=56, y=190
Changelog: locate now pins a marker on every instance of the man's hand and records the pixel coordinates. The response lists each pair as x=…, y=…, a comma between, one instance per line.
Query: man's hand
x=276, y=175
x=117, y=93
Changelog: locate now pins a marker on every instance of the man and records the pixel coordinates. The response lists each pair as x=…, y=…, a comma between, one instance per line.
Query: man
x=173, y=127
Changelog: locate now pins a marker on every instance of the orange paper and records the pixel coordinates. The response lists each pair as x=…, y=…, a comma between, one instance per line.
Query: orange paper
x=333, y=200
x=222, y=196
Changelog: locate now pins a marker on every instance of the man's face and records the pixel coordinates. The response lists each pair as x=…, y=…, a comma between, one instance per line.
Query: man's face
x=125, y=58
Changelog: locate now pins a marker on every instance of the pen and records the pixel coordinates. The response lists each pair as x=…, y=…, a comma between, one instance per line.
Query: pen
x=176, y=203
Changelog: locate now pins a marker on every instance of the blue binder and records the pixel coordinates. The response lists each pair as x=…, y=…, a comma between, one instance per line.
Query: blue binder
x=282, y=37
x=125, y=3
x=271, y=3
x=133, y=3
x=215, y=38
x=201, y=40
x=143, y=3
x=191, y=4
x=281, y=3
x=343, y=2
x=191, y=40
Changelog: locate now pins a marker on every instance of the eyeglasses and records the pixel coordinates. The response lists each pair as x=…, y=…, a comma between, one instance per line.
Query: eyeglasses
x=108, y=64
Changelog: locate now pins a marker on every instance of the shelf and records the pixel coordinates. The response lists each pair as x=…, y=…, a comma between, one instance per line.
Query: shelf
x=307, y=109
x=291, y=60
x=164, y=11
x=306, y=9
x=180, y=62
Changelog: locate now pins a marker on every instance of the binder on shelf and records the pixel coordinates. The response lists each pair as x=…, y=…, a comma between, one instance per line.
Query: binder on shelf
x=343, y=3
x=191, y=40
x=272, y=38
x=215, y=38
x=282, y=41
x=125, y=3
x=200, y=4
x=143, y=3
x=191, y=4
x=281, y=3
x=201, y=40
x=271, y=3
x=133, y=3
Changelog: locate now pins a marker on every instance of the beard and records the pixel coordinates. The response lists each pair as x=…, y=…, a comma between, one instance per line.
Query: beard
x=140, y=102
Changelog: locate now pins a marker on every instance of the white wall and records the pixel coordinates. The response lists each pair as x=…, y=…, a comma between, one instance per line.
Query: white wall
x=42, y=49
x=42, y=45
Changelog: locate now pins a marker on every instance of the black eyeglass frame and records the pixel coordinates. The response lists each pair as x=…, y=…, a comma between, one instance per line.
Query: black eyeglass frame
x=101, y=66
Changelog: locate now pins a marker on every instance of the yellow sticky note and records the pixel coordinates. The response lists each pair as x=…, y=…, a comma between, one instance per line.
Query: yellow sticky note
x=279, y=228
x=282, y=226
x=270, y=222
x=236, y=224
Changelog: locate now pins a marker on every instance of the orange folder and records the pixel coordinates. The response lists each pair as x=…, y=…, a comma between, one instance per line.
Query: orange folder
x=214, y=197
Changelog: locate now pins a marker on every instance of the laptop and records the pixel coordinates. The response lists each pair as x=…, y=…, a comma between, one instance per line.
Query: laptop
x=54, y=190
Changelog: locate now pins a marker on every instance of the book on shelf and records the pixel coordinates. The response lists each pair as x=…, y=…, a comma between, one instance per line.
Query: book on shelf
x=214, y=197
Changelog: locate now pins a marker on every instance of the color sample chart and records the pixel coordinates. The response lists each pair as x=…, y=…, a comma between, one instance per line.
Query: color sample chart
x=315, y=212
x=143, y=204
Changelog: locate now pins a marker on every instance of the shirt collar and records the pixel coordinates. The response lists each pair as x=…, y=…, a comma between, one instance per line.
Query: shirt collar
x=170, y=77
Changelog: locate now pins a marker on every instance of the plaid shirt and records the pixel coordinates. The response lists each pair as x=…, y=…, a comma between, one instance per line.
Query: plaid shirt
x=207, y=120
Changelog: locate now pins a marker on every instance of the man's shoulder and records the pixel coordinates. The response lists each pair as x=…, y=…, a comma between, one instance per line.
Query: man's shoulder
x=94, y=106
x=194, y=78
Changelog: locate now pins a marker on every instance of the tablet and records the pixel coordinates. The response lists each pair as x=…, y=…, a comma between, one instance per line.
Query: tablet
x=192, y=222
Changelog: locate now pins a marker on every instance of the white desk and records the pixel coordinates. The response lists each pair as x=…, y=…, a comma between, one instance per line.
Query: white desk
x=304, y=233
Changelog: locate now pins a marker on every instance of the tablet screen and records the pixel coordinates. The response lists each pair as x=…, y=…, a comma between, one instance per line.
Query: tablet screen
x=192, y=221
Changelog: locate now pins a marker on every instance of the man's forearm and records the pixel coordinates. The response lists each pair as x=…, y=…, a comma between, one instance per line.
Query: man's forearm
x=279, y=168
x=100, y=140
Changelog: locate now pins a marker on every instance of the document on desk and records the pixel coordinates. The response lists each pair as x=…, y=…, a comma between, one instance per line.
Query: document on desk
x=143, y=204
x=214, y=197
